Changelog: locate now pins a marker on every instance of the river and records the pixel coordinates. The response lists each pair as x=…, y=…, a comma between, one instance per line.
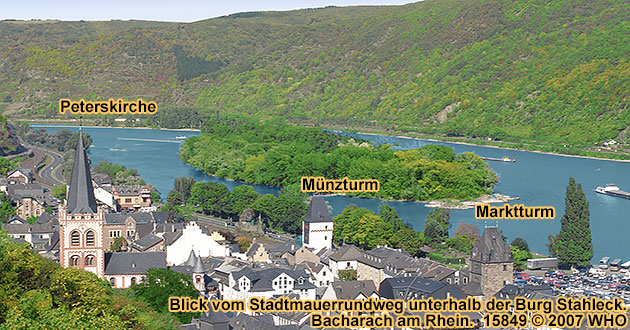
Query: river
x=538, y=179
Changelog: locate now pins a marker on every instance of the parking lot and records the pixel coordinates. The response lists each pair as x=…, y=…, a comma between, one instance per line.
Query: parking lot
x=588, y=282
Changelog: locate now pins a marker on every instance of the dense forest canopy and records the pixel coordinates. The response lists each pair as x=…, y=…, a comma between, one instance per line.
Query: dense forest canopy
x=278, y=154
x=526, y=71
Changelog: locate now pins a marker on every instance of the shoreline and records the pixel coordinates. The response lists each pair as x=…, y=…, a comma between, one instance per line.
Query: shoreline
x=361, y=131
x=94, y=126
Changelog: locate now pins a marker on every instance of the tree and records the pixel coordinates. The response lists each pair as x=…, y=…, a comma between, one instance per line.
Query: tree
x=347, y=274
x=290, y=209
x=59, y=192
x=520, y=257
x=573, y=245
x=520, y=243
x=436, y=226
x=208, y=196
x=162, y=283
x=239, y=199
x=6, y=209
x=181, y=191
x=117, y=244
x=265, y=205
x=243, y=243
x=408, y=239
x=390, y=216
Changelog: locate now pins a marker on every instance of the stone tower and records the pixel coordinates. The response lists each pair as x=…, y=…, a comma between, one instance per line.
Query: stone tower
x=81, y=221
x=491, y=263
x=317, y=226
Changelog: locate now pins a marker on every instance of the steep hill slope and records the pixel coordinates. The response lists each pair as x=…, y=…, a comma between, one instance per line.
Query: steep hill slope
x=554, y=71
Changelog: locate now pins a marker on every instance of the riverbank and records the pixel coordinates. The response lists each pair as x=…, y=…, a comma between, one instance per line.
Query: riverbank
x=470, y=142
x=75, y=123
x=465, y=205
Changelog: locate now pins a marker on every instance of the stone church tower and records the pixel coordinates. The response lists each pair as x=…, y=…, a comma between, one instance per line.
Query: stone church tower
x=491, y=263
x=81, y=221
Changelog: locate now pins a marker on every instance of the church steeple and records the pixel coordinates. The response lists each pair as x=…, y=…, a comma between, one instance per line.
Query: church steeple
x=81, y=193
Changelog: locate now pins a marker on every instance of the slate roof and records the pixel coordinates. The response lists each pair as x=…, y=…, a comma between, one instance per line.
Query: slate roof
x=119, y=263
x=347, y=253
x=27, y=228
x=491, y=248
x=510, y=291
x=131, y=190
x=264, y=322
x=120, y=218
x=352, y=289
x=317, y=211
x=147, y=241
x=81, y=193
x=160, y=217
x=101, y=179
x=170, y=238
x=405, y=287
x=262, y=279
x=473, y=289
x=46, y=218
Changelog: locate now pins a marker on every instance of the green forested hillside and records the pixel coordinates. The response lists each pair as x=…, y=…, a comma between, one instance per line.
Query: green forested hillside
x=551, y=71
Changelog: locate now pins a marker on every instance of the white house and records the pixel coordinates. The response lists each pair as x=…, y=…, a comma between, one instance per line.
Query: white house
x=345, y=258
x=317, y=226
x=193, y=239
x=268, y=283
x=323, y=276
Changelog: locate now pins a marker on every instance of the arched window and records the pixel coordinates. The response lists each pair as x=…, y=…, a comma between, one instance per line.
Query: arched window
x=74, y=261
x=89, y=238
x=112, y=281
x=89, y=260
x=198, y=279
x=133, y=280
x=75, y=238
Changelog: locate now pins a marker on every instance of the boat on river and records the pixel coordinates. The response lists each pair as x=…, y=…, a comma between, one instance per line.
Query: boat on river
x=502, y=159
x=180, y=137
x=612, y=190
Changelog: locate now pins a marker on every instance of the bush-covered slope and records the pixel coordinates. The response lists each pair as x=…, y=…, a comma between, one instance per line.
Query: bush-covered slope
x=554, y=71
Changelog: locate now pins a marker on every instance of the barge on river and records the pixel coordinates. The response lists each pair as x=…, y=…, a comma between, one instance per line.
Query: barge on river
x=502, y=159
x=612, y=190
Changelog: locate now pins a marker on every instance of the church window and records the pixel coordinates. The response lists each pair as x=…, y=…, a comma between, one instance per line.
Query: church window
x=465, y=280
x=89, y=238
x=75, y=238
x=89, y=260
x=112, y=281
x=133, y=280
x=74, y=261
x=198, y=279
x=325, y=238
x=504, y=268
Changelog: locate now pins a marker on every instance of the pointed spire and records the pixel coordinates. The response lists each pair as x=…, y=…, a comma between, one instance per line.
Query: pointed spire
x=81, y=193
x=198, y=268
x=192, y=259
x=317, y=211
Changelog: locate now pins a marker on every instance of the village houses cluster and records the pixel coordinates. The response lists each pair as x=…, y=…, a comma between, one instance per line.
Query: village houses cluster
x=96, y=215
